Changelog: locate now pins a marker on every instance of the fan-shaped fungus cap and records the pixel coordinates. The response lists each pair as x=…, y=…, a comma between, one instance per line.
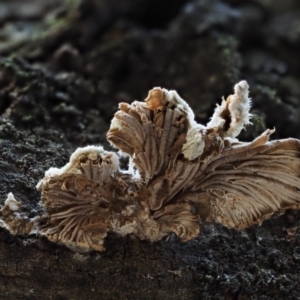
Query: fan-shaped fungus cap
x=78, y=199
x=179, y=172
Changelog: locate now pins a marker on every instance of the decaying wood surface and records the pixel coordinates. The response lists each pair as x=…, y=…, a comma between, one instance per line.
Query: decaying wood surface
x=65, y=66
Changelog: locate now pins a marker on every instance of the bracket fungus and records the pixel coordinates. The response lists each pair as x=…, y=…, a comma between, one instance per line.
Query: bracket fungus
x=179, y=172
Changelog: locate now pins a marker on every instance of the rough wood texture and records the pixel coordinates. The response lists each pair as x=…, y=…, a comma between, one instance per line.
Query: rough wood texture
x=59, y=91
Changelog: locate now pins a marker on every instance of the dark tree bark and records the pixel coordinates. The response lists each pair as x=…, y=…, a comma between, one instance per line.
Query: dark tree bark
x=65, y=66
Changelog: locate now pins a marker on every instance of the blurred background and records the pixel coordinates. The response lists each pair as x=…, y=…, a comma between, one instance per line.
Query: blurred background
x=114, y=50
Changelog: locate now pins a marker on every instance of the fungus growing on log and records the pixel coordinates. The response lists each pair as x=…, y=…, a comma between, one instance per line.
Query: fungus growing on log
x=179, y=172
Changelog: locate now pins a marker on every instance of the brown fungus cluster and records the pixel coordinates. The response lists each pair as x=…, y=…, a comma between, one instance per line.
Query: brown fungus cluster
x=179, y=172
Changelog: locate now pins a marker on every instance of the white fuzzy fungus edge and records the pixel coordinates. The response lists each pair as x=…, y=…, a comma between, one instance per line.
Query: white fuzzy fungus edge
x=91, y=152
x=238, y=105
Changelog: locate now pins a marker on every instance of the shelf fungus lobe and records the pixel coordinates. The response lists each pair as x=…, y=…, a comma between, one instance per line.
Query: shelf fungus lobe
x=179, y=172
